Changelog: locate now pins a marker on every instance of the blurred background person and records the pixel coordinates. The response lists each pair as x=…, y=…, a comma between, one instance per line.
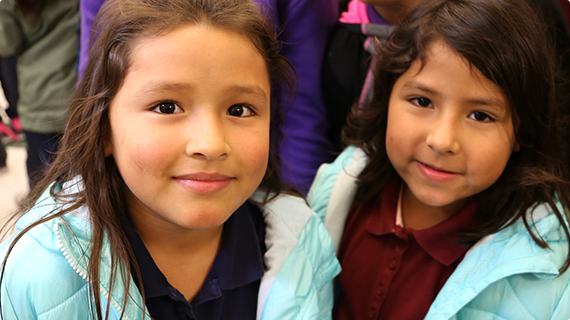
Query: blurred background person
x=43, y=35
x=9, y=79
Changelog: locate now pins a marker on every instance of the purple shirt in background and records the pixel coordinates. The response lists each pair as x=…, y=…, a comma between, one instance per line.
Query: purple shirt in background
x=374, y=16
x=303, y=27
x=89, y=9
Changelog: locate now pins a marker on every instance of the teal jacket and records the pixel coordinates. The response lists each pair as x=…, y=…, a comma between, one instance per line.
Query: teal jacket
x=45, y=275
x=504, y=276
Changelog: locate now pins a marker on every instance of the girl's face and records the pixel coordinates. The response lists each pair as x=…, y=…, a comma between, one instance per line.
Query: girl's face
x=450, y=132
x=190, y=128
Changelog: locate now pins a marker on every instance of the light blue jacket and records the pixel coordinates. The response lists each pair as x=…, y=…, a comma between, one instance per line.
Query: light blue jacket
x=504, y=276
x=46, y=272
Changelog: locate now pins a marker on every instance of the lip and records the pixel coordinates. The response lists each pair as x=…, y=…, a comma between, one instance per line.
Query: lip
x=204, y=183
x=436, y=174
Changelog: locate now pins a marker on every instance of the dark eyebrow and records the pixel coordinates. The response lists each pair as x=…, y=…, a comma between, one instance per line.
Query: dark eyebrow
x=419, y=86
x=254, y=90
x=154, y=87
x=492, y=102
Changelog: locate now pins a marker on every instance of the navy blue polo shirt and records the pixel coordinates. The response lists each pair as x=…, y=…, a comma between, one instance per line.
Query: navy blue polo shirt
x=230, y=289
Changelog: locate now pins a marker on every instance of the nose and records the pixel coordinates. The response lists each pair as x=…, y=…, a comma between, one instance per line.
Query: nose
x=207, y=138
x=443, y=135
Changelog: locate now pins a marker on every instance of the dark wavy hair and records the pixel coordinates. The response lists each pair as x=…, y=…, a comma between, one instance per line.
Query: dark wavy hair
x=119, y=26
x=506, y=41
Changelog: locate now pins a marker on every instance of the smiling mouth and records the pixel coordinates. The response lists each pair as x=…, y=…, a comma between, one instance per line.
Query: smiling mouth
x=202, y=176
x=436, y=174
x=436, y=169
x=204, y=183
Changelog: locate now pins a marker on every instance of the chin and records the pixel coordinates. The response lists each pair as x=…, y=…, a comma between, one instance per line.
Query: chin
x=435, y=200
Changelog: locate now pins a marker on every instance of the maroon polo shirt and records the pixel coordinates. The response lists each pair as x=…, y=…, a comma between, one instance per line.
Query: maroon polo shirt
x=389, y=272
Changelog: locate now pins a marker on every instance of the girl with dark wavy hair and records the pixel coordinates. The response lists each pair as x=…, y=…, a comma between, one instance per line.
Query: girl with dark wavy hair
x=164, y=200
x=451, y=202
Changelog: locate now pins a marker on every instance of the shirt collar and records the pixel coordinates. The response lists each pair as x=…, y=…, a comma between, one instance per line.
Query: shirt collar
x=438, y=241
x=239, y=261
x=155, y=284
x=383, y=218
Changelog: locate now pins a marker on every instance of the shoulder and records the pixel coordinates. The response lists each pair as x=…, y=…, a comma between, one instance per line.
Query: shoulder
x=530, y=295
x=351, y=162
x=8, y=6
x=336, y=181
x=36, y=265
x=507, y=275
x=34, y=268
x=10, y=29
x=289, y=217
x=300, y=261
x=544, y=224
x=293, y=231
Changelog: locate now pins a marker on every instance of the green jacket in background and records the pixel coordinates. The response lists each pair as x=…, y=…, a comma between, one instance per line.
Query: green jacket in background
x=47, y=50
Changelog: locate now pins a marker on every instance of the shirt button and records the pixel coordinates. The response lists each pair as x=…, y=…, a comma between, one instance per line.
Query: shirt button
x=371, y=313
x=393, y=264
x=380, y=289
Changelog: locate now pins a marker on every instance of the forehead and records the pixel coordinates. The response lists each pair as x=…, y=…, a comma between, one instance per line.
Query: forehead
x=447, y=71
x=197, y=54
x=197, y=66
x=190, y=37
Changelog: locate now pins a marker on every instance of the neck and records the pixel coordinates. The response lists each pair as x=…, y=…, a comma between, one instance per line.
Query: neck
x=177, y=243
x=395, y=13
x=185, y=257
x=418, y=215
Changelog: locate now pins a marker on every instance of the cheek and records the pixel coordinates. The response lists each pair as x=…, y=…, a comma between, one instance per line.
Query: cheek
x=395, y=139
x=257, y=152
x=489, y=163
x=250, y=147
x=137, y=150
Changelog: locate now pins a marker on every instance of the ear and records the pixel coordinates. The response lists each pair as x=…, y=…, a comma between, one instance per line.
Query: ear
x=517, y=147
x=107, y=148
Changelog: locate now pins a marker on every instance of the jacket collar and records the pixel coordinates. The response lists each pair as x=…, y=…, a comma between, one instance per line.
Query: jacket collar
x=486, y=262
x=72, y=237
x=285, y=218
x=506, y=253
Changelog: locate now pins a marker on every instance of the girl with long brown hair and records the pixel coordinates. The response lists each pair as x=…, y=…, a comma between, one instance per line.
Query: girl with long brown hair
x=164, y=200
x=451, y=200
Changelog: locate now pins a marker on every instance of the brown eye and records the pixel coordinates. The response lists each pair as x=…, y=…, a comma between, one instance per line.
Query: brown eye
x=167, y=108
x=481, y=116
x=240, y=110
x=424, y=102
x=421, y=102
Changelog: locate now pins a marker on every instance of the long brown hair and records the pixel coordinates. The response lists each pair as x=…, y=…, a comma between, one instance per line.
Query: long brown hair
x=119, y=26
x=504, y=40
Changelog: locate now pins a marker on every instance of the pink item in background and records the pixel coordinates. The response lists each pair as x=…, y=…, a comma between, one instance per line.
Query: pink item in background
x=356, y=13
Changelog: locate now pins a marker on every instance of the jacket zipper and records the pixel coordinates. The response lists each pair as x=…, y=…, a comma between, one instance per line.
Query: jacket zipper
x=82, y=273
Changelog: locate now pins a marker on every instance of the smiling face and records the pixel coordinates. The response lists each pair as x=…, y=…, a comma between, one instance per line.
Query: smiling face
x=450, y=132
x=190, y=127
